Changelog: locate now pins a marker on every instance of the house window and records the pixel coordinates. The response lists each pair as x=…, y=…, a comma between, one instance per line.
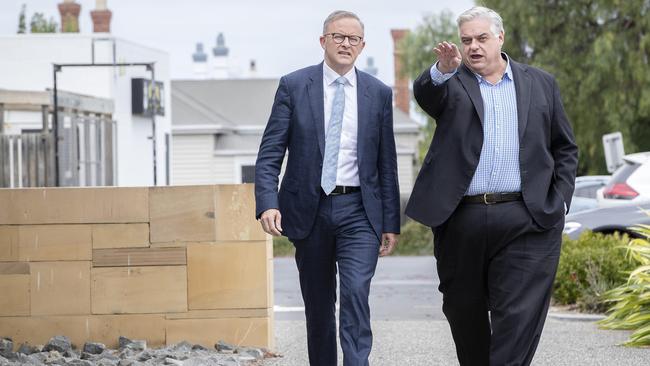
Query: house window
x=248, y=173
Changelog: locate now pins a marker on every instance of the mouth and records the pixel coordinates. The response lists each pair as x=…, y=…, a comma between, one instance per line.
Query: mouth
x=475, y=57
x=345, y=53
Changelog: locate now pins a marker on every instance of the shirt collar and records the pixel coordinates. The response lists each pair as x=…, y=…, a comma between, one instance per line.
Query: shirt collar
x=329, y=75
x=506, y=75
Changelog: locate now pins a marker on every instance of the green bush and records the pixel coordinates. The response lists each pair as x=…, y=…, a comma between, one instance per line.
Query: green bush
x=282, y=247
x=416, y=239
x=590, y=266
x=630, y=303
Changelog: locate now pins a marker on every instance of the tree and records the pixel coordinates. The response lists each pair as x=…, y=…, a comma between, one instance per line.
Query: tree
x=417, y=55
x=22, y=27
x=38, y=24
x=599, y=51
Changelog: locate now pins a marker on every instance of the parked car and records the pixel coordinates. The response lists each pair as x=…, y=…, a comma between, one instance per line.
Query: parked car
x=630, y=183
x=584, y=195
x=607, y=220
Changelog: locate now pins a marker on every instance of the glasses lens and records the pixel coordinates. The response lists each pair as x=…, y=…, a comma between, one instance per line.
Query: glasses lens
x=354, y=40
x=338, y=38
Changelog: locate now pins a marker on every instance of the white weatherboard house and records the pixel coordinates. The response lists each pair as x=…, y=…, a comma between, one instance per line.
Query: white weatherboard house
x=218, y=125
x=218, y=121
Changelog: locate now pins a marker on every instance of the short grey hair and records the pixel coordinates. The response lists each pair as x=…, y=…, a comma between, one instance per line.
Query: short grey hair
x=496, y=23
x=340, y=14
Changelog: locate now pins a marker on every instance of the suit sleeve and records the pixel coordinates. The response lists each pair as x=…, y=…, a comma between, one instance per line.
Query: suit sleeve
x=388, y=170
x=272, y=150
x=563, y=148
x=429, y=95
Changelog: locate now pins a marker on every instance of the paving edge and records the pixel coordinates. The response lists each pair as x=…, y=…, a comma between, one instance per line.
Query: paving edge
x=576, y=317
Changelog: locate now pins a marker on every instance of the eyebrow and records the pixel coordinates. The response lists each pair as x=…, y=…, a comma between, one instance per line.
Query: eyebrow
x=479, y=36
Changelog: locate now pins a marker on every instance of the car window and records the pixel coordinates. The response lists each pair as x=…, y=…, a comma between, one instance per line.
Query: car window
x=622, y=173
x=588, y=190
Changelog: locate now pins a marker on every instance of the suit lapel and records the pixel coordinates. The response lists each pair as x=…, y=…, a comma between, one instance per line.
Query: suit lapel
x=316, y=101
x=522, y=88
x=363, y=109
x=468, y=79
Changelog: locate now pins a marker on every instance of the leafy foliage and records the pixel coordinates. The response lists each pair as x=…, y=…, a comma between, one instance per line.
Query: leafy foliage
x=417, y=55
x=590, y=266
x=599, y=51
x=415, y=239
x=282, y=247
x=39, y=24
x=630, y=303
x=22, y=27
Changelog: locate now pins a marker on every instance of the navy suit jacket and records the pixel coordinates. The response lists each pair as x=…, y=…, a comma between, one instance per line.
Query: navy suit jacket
x=548, y=155
x=297, y=124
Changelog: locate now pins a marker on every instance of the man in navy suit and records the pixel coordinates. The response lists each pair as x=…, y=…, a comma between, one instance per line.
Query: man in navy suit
x=494, y=186
x=339, y=199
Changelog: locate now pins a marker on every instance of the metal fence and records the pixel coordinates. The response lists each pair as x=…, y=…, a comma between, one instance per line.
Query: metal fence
x=86, y=151
x=27, y=160
x=86, y=155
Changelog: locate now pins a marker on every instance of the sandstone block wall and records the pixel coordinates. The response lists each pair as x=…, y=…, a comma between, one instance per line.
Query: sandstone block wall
x=163, y=264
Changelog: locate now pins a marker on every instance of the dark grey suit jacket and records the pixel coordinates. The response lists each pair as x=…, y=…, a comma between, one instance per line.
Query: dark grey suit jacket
x=548, y=155
x=297, y=124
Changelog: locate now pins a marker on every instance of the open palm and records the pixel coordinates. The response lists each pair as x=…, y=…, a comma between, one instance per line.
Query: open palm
x=449, y=57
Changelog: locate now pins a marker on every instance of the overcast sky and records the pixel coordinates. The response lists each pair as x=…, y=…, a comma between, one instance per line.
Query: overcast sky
x=281, y=35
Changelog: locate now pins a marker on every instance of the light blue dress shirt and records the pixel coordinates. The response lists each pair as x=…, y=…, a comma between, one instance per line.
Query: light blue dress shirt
x=498, y=167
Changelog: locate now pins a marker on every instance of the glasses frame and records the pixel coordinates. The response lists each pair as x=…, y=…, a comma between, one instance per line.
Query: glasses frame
x=349, y=37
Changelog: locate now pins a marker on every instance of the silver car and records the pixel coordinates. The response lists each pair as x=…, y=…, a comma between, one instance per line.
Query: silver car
x=607, y=220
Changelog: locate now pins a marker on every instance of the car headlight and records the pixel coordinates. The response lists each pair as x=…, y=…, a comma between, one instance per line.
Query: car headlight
x=571, y=226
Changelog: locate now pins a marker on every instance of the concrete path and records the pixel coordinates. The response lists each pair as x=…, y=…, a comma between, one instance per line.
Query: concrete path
x=429, y=343
x=410, y=329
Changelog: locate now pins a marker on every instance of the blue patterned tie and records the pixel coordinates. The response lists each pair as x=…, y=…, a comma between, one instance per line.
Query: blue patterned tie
x=333, y=138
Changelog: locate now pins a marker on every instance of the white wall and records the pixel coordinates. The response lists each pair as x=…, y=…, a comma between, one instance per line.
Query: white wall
x=405, y=173
x=192, y=162
x=26, y=64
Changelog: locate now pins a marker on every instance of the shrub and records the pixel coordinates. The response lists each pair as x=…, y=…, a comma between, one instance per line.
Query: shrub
x=282, y=247
x=630, y=303
x=416, y=239
x=590, y=266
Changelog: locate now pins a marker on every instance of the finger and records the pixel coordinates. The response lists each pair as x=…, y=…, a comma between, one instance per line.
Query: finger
x=385, y=250
x=272, y=229
x=278, y=221
x=385, y=243
x=265, y=226
x=455, y=50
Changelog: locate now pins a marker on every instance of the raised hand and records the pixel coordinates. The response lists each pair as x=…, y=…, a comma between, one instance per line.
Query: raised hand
x=449, y=57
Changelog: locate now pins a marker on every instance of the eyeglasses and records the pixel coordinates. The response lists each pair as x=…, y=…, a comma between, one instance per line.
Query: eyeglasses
x=340, y=38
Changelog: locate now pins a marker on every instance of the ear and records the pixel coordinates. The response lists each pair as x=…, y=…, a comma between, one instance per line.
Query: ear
x=502, y=37
x=361, y=46
x=323, y=39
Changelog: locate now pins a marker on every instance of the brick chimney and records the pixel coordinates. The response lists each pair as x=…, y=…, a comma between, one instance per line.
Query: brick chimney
x=401, y=88
x=69, y=11
x=101, y=17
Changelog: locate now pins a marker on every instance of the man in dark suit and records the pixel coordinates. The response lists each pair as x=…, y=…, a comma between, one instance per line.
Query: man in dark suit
x=494, y=187
x=339, y=197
